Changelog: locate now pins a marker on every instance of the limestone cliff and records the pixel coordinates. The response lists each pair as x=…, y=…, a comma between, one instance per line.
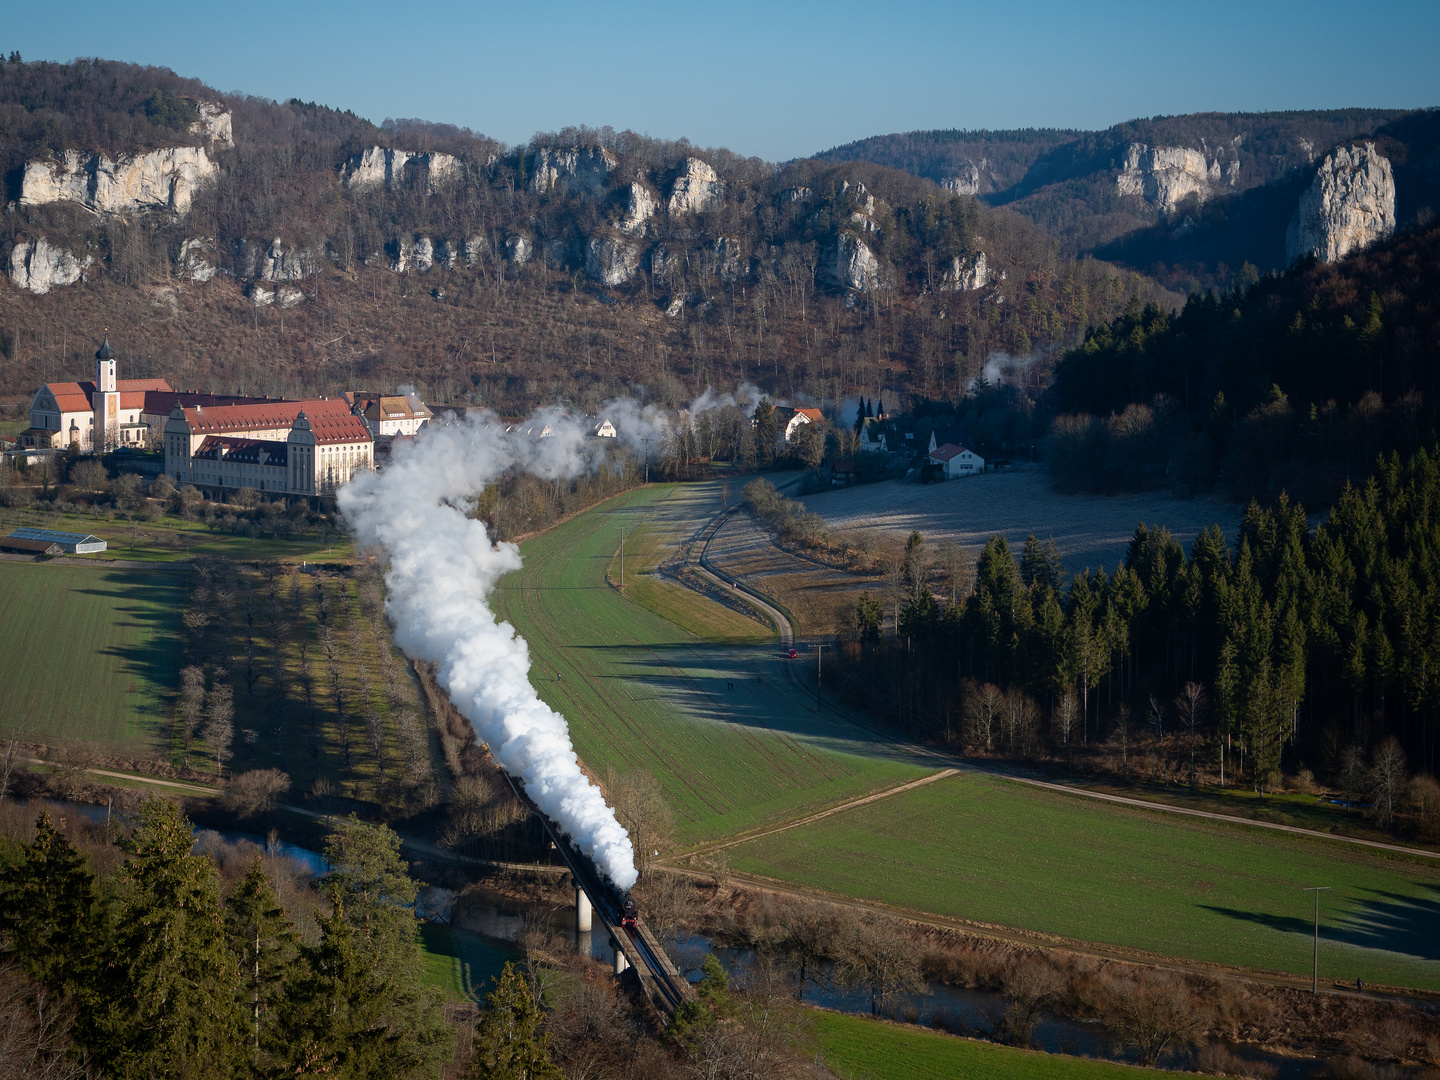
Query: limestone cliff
x=285, y=262
x=855, y=266
x=39, y=266
x=611, y=260
x=411, y=253
x=197, y=258
x=214, y=124
x=966, y=273
x=159, y=180
x=638, y=208
x=1350, y=205
x=968, y=178
x=1165, y=175
x=580, y=170
x=696, y=187
x=396, y=170
x=519, y=249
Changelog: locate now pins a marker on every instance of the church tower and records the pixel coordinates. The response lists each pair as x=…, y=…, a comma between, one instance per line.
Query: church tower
x=105, y=400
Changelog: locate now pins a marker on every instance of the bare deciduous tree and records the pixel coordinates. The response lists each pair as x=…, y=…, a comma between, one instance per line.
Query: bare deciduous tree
x=878, y=957
x=1155, y=1012
x=1385, y=781
x=220, y=724
x=255, y=792
x=1190, y=705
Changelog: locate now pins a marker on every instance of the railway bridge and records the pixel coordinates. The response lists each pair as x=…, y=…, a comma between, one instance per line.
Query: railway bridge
x=634, y=946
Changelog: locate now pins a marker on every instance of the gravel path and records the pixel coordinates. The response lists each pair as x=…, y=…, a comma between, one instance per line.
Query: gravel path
x=1090, y=530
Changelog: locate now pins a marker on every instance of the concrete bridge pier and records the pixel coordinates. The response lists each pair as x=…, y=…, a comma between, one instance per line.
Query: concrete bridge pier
x=620, y=962
x=583, y=911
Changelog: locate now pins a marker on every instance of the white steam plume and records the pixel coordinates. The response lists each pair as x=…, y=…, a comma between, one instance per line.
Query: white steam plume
x=443, y=568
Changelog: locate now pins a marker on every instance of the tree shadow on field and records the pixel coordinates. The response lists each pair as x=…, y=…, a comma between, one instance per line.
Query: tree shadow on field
x=746, y=687
x=149, y=600
x=1393, y=922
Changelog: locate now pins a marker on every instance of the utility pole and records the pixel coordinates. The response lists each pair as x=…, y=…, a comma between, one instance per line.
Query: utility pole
x=647, y=460
x=819, y=662
x=1315, y=970
x=622, y=558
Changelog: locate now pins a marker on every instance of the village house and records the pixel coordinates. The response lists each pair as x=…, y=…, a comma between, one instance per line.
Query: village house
x=957, y=460
x=794, y=419
x=872, y=439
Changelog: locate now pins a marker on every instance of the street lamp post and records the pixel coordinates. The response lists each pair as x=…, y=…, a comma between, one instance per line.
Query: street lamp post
x=1315, y=969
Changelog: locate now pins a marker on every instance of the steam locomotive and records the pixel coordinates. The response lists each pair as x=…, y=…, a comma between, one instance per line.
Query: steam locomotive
x=629, y=912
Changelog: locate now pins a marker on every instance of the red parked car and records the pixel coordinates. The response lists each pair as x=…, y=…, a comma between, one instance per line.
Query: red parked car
x=791, y=655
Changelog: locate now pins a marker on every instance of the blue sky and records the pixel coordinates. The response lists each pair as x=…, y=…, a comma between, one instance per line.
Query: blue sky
x=776, y=80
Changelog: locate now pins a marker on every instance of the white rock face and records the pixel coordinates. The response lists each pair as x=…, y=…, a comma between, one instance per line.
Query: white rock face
x=580, y=170
x=697, y=187
x=412, y=253
x=287, y=296
x=968, y=178
x=1164, y=175
x=856, y=266
x=260, y=296
x=283, y=262
x=640, y=206
x=966, y=273
x=519, y=249
x=395, y=170
x=730, y=263
x=159, y=180
x=795, y=194
x=214, y=124
x=1350, y=205
x=475, y=250
x=675, y=307
x=39, y=266
x=197, y=258
x=445, y=254
x=611, y=260
x=664, y=266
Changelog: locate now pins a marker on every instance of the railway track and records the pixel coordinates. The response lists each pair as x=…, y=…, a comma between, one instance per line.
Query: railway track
x=662, y=983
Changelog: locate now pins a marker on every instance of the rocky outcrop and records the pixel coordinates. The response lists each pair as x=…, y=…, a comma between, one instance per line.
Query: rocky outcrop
x=697, y=187
x=409, y=253
x=197, y=259
x=214, y=124
x=39, y=266
x=160, y=180
x=1165, y=175
x=794, y=194
x=966, y=273
x=474, y=250
x=285, y=262
x=639, y=207
x=580, y=170
x=397, y=170
x=285, y=296
x=611, y=260
x=664, y=265
x=519, y=249
x=730, y=261
x=1350, y=205
x=969, y=178
x=855, y=266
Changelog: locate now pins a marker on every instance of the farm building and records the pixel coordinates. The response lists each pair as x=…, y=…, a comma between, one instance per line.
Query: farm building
x=75, y=543
x=957, y=461
x=30, y=547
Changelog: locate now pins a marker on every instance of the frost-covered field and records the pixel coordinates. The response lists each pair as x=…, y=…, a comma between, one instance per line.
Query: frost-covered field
x=1090, y=530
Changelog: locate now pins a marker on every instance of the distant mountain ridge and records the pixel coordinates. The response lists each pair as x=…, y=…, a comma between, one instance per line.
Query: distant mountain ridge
x=1163, y=194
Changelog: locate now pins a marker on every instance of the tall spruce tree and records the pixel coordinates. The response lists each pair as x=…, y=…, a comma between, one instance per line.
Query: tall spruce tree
x=49, y=915
x=508, y=1045
x=166, y=1002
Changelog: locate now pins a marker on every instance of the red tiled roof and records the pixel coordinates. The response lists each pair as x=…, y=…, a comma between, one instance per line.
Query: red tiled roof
x=813, y=415
x=266, y=416
x=946, y=452
x=338, y=429
x=244, y=451
x=69, y=396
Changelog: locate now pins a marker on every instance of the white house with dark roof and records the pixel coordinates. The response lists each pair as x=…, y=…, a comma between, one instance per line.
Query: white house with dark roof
x=957, y=460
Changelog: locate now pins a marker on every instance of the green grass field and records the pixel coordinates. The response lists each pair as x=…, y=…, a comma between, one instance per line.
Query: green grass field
x=985, y=849
x=170, y=538
x=858, y=1048
x=461, y=964
x=89, y=653
x=687, y=609
x=640, y=692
